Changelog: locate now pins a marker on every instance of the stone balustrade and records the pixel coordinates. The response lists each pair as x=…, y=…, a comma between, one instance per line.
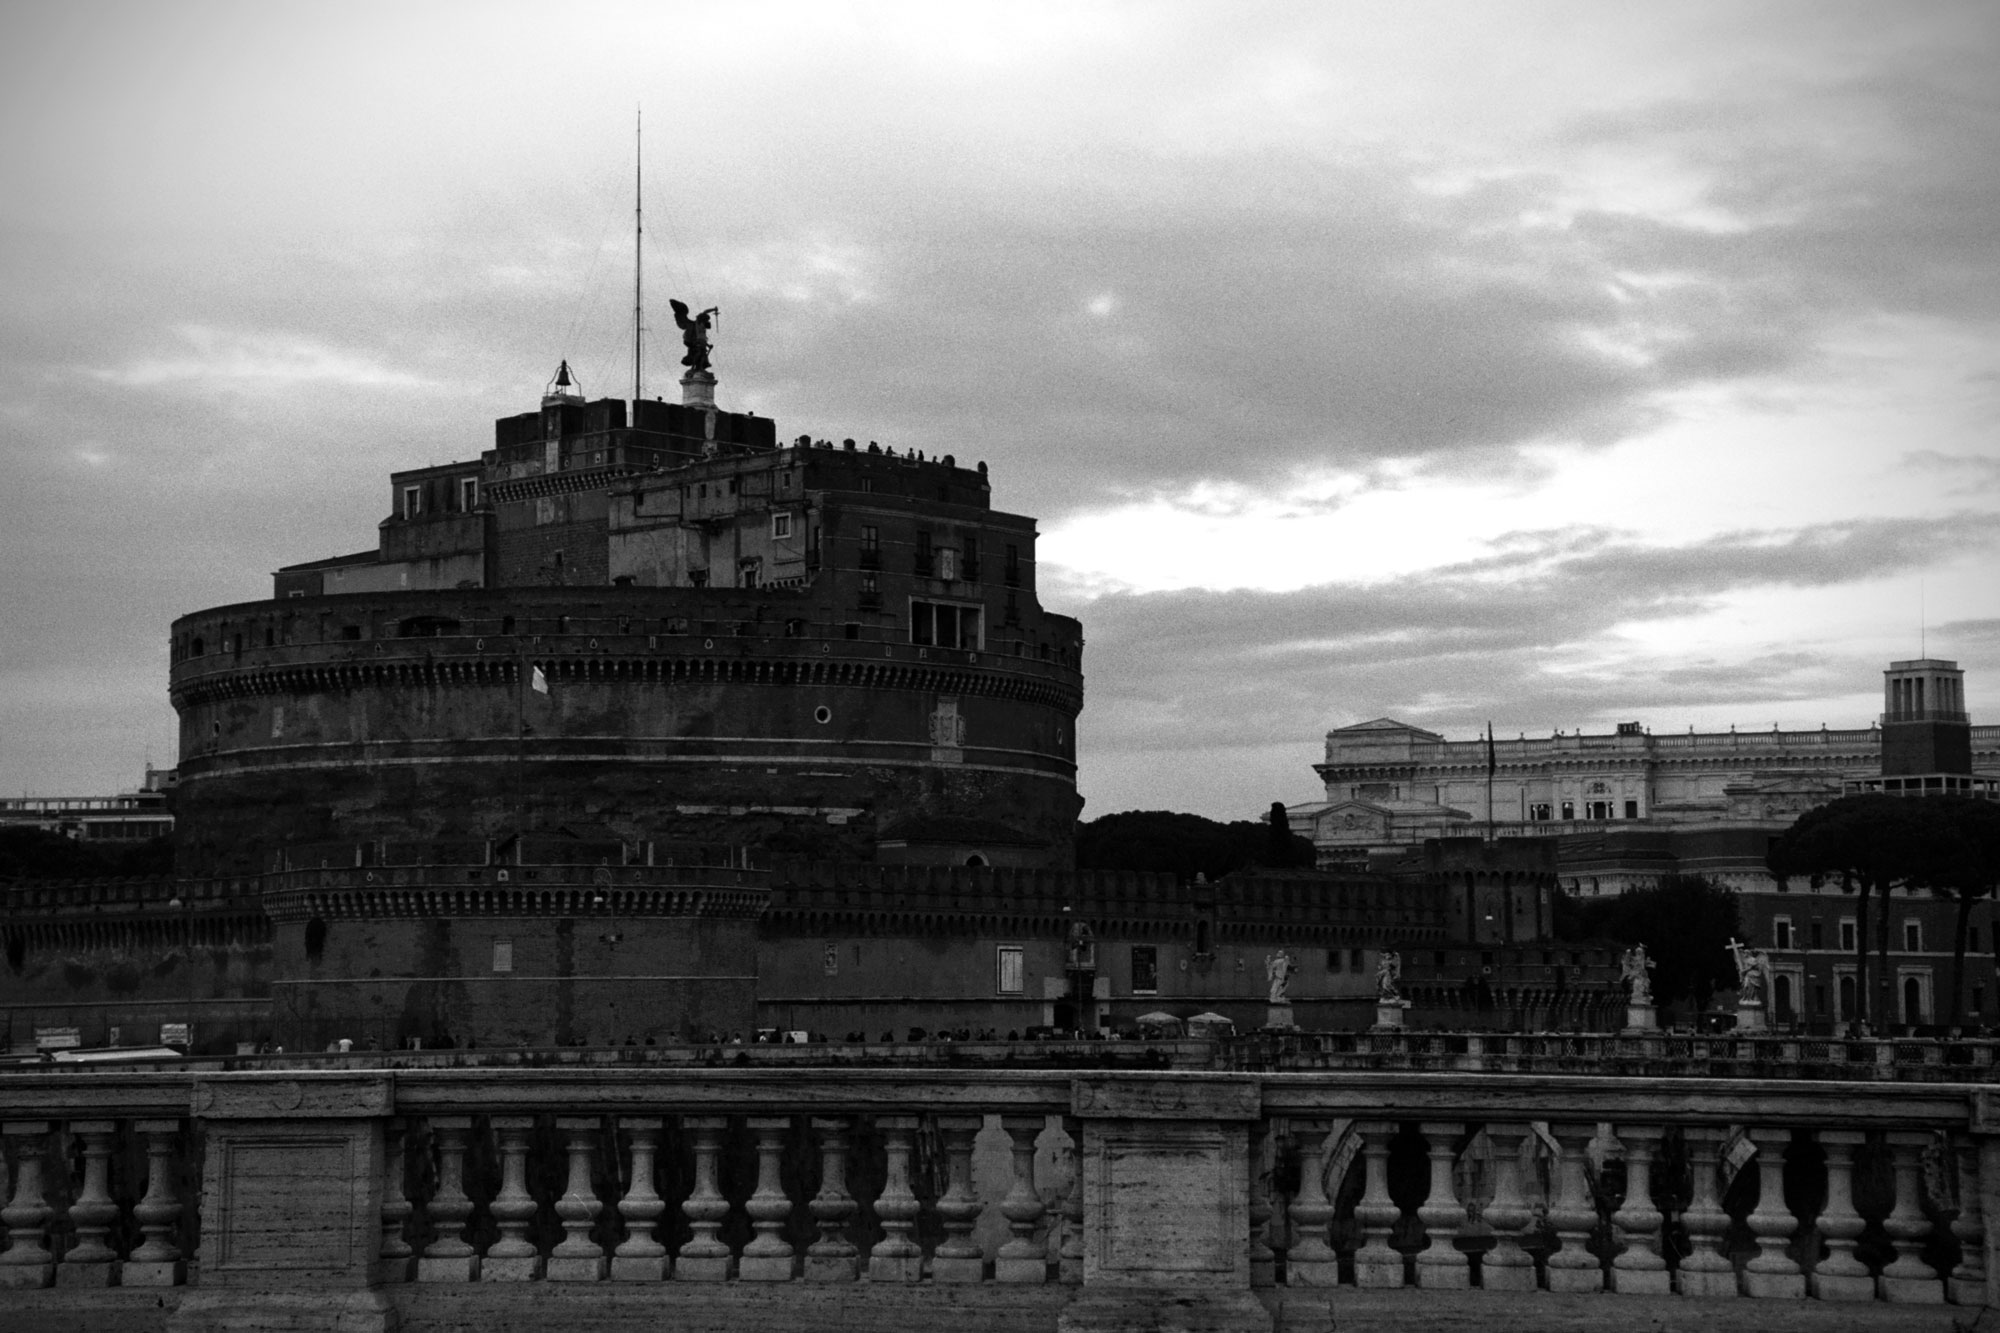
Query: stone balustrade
x=1648, y=1054
x=432, y=1197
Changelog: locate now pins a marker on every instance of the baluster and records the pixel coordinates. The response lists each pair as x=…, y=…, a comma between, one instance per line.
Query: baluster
x=1441, y=1264
x=1573, y=1268
x=1507, y=1267
x=1069, y=1254
x=157, y=1260
x=640, y=1257
x=1771, y=1272
x=395, y=1253
x=1840, y=1276
x=91, y=1262
x=1967, y=1283
x=577, y=1258
x=513, y=1257
x=705, y=1258
x=768, y=1257
x=1263, y=1261
x=1639, y=1269
x=1022, y=1258
x=958, y=1257
x=1707, y=1270
x=449, y=1257
x=1909, y=1280
x=1376, y=1263
x=1311, y=1261
x=833, y=1257
x=896, y=1257
x=27, y=1262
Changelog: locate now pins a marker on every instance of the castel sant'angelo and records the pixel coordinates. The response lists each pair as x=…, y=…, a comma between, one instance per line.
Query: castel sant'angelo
x=646, y=727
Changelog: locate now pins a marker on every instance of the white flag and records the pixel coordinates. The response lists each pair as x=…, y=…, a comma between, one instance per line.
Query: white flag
x=539, y=682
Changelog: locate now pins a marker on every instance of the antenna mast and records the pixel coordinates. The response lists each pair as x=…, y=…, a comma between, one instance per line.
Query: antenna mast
x=638, y=259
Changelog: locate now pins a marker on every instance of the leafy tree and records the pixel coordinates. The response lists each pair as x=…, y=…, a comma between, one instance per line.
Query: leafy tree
x=1964, y=866
x=32, y=853
x=1870, y=844
x=1185, y=845
x=1685, y=922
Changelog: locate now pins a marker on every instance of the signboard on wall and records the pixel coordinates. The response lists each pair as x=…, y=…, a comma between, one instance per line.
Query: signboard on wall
x=176, y=1034
x=58, y=1039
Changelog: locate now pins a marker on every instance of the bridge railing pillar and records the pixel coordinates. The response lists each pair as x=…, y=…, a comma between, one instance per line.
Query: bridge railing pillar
x=292, y=1193
x=1165, y=1178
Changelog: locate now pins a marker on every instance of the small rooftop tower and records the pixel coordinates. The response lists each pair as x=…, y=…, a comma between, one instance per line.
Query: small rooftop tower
x=1925, y=728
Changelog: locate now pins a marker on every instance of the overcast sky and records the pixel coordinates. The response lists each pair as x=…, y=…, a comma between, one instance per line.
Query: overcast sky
x=1559, y=364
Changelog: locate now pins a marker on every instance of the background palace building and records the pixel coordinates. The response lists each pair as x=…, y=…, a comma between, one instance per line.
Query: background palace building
x=1628, y=809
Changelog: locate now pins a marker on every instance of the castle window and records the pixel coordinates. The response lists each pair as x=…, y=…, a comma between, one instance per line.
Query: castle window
x=1631, y=809
x=1781, y=933
x=922, y=560
x=944, y=625
x=468, y=493
x=1333, y=960
x=1145, y=969
x=1847, y=933
x=1816, y=934
x=1010, y=569
x=1913, y=936
x=969, y=560
x=1539, y=811
x=1009, y=972
x=503, y=955
x=1569, y=809
x=413, y=501
x=852, y=629
x=781, y=527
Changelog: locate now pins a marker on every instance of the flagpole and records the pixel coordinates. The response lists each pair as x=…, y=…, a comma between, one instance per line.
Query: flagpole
x=1492, y=762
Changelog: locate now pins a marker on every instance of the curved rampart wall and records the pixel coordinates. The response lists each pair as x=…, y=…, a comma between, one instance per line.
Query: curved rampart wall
x=684, y=714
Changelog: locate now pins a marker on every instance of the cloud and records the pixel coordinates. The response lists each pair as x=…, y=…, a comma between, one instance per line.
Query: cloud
x=1532, y=629
x=213, y=359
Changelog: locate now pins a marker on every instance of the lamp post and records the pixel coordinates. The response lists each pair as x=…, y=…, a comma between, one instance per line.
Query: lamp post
x=186, y=909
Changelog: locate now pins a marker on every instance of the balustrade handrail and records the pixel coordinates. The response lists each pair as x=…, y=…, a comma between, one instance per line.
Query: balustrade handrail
x=1398, y=1094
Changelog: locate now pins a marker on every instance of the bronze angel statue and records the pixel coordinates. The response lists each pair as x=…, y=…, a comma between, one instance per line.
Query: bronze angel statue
x=694, y=335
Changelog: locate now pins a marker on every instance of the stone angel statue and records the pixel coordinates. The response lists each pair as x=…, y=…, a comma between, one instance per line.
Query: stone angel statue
x=1278, y=969
x=1753, y=971
x=1388, y=975
x=694, y=334
x=1634, y=968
